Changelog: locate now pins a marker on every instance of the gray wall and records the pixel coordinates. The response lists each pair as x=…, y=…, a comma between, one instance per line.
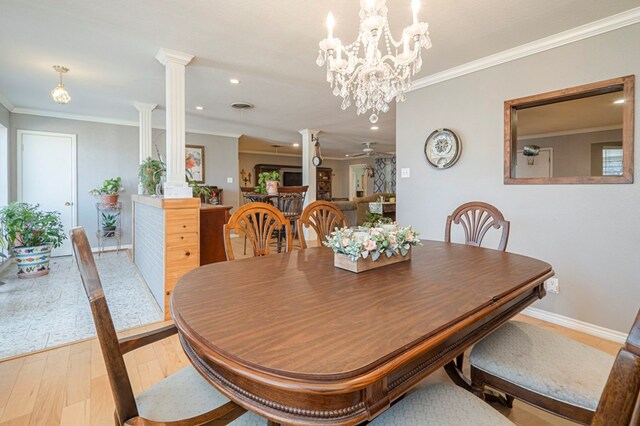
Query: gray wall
x=109, y=150
x=589, y=233
x=5, y=116
x=572, y=153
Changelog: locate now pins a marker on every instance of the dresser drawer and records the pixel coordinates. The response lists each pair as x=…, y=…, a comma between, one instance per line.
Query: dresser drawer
x=181, y=239
x=181, y=221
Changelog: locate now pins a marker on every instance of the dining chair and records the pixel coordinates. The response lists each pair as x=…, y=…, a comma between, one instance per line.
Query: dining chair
x=184, y=398
x=618, y=400
x=259, y=222
x=542, y=368
x=323, y=217
x=476, y=219
x=290, y=202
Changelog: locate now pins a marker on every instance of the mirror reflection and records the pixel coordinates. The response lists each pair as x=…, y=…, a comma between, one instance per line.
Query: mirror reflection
x=577, y=135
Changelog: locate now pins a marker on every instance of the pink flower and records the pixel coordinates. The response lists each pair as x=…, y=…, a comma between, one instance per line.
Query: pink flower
x=392, y=240
x=375, y=232
x=370, y=245
x=409, y=237
x=345, y=241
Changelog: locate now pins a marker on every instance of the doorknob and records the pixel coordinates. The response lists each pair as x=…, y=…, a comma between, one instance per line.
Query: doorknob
x=68, y=204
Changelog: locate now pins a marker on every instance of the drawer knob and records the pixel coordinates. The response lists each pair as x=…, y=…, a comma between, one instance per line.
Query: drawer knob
x=184, y=226
x=188, y=253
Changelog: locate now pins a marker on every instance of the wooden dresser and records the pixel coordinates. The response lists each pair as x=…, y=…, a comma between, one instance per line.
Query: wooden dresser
x=212, y=221
x=166, y=242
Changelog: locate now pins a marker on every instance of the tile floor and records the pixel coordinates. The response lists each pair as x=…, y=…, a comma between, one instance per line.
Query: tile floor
x=53, y=310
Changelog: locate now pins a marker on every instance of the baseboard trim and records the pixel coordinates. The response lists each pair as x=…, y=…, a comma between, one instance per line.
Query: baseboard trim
x=574, y=324
x=111, y=248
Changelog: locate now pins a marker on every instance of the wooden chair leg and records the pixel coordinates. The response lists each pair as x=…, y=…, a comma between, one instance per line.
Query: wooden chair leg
x=477, y=387
x=509, y=401
x=460, y=361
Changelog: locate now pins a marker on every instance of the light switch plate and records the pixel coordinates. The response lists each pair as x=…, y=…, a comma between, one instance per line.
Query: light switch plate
x=405, y=172
x=552, y=285
x=229, y=180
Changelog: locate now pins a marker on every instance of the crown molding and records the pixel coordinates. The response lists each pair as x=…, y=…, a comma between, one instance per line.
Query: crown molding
x=610, y=23
x=6, y=103
x=324, y=157
x=104, y=120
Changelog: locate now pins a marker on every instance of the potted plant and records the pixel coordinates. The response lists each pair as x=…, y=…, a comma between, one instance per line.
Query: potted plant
x=150, y=173
x=109, y=191
x=200, y=191
x=109, y=222
x=268, y=183
x=31, y=233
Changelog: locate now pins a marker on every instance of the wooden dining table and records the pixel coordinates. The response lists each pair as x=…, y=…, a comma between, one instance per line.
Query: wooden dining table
x=298, y=341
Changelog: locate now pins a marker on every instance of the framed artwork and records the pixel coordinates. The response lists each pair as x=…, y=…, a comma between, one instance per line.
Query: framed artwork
x=194, y=163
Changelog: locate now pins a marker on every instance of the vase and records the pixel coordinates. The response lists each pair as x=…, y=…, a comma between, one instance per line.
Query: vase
x=33, y=261
x=343, y=261
x=272, y=187
x=109, y=199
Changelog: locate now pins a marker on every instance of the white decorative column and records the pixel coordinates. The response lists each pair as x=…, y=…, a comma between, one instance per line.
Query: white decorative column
x=309, y=173
x=146, y=145
x=175, y=63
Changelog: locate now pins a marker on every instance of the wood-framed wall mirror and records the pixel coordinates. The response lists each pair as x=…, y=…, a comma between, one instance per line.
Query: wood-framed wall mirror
x=579, y=135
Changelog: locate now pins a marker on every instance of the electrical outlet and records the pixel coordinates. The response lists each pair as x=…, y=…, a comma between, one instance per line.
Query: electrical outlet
x=229, y=180
x=552, y=285
x=405, y=173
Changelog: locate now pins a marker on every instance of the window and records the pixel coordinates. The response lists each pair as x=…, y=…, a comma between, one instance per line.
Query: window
x=611, y=161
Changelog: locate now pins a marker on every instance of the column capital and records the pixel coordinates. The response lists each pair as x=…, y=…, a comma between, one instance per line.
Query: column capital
x=165, y=56
x=144, y=106
x=309, y=132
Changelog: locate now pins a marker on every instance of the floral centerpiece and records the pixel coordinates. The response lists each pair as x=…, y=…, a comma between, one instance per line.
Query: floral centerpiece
x=357, y=249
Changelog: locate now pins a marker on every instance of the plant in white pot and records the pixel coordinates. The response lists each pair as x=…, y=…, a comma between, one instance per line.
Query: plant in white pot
x=31, y=233
x=268, y=183
x=109, y=191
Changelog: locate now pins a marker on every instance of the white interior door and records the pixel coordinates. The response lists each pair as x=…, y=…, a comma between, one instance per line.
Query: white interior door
x=542, y=164
x=47, y=175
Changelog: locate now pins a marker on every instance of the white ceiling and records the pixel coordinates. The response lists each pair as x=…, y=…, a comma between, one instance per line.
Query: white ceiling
x=271, y=46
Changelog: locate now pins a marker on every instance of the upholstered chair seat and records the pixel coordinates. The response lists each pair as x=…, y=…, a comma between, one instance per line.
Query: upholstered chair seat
x=183, y=395
x=545, y=363
x=441, y=404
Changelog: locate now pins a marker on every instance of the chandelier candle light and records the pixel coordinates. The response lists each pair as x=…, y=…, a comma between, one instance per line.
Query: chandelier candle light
x=375, y=79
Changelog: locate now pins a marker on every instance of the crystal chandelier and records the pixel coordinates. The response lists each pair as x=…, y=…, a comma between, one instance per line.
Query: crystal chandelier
x=59, y=93
x=376, y=78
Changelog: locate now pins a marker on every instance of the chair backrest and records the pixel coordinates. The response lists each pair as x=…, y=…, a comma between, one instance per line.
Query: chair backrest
x=324, y=217
x=259, y=222
x=476, y=219
x=114, y=362
x=620, y=400
x=290, y=200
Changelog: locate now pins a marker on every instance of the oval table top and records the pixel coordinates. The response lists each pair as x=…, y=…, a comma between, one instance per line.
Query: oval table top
x=295, y=315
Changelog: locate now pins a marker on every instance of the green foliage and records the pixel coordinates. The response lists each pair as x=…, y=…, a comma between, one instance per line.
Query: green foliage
x=202, y=192
x=375, y=220
x=150, y=174
x=109, y=220
x=265, y=177
x=26, y=225
x=109, y=187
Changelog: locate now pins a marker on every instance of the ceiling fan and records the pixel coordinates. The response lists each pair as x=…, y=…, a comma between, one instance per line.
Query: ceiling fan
x=368, y=151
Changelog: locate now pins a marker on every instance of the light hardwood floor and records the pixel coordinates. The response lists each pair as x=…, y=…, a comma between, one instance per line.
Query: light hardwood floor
x=69, y=386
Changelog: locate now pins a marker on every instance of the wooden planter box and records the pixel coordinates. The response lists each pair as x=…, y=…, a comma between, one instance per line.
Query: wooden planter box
x=342, y=261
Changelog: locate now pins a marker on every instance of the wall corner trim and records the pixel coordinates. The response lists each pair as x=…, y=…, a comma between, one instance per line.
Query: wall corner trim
x=574, y=324
x=613, y=22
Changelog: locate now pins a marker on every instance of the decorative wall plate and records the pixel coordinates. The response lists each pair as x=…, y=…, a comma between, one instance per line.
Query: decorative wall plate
x=442, y=148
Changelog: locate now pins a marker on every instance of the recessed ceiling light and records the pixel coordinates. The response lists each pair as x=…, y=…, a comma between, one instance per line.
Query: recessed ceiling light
x=374, y=127
x=242, y=105
x=619, y=101
x=295, y=145
x=199, y=108
x=234, y=81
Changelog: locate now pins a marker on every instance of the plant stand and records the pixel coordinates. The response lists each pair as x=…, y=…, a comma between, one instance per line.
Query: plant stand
x=109, y=226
